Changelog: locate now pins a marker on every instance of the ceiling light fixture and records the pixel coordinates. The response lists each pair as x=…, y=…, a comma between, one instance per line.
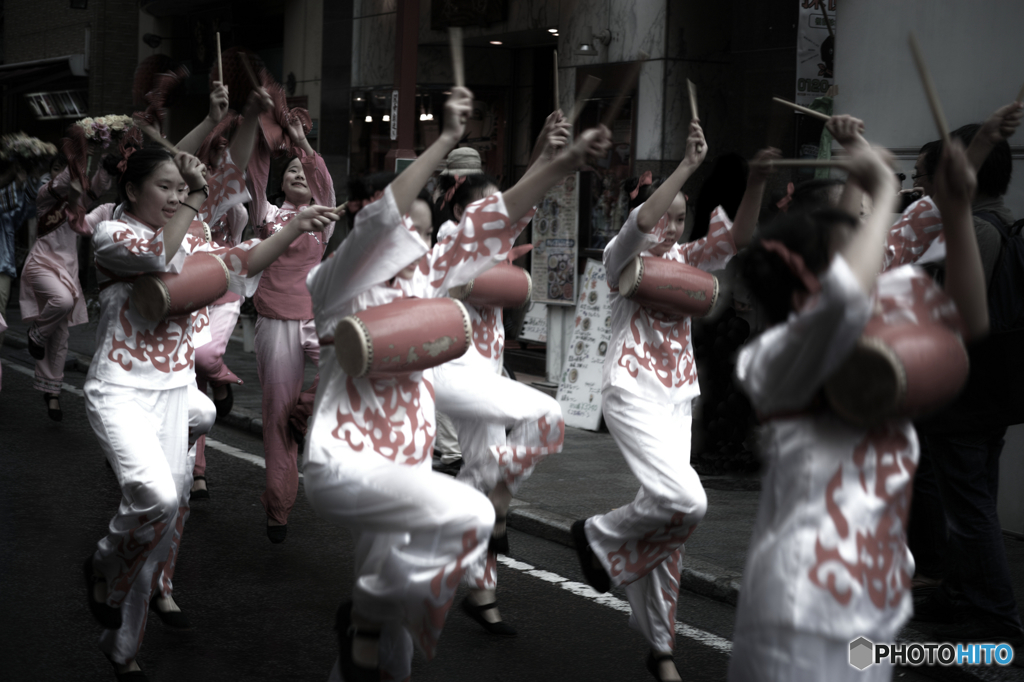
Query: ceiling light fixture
x=495, y=42
x=588, y=48
x=369, y=119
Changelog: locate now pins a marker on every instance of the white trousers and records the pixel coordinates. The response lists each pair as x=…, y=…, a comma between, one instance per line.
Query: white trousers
x=416, y=531
x=641, y=543
x=778, y=654
x=481, y=406
x=145, y=436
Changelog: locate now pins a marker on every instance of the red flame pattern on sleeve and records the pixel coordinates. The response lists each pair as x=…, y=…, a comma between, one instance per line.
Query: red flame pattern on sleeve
x=910, y=237
x=471, y=241
x=137, y=245
x=884, y=472
x=488, y=332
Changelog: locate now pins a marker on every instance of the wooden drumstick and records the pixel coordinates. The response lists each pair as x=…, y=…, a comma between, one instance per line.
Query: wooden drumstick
x=800, y=163
x=1020, y=95
x=458, y=62
x=693, y=99
x=627, y=88
x=801, y=109
x=557, y=104
x=248, y=69
x=828, y=24
x=588, y=88
x=220, y=62
x=151, y=134
x=929, y=88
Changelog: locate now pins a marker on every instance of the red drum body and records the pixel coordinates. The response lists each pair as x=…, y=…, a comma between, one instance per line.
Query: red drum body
x=669, y=287
x=904, y=370
x=406, y=335
x=503, y=286
x=202, y=280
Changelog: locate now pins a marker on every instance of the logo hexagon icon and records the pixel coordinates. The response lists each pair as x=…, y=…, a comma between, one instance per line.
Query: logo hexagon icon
x=861, y=653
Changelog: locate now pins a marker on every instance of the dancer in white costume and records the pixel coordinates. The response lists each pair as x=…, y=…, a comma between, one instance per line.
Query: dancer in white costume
x=828, y=561
x=482, y=404
x=649, y=385
x=139, y=385
x=367, y=464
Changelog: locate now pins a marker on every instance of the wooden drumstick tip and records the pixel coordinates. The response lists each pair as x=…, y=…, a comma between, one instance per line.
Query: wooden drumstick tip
x=220, y=61
x=249, y=70
x=557, y=95
x=800, y=108
x=588, y=88
x=693, y=99
x=458, y=61
x=929, y=87
x=1020, y=95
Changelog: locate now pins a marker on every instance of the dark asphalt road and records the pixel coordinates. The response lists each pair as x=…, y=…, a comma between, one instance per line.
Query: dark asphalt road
x=263, y=611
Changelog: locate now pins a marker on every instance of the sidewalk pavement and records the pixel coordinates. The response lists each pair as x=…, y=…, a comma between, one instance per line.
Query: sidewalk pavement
x=588, y=477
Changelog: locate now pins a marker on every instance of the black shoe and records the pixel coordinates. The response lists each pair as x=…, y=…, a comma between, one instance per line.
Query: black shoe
x=654, y=661
x=499, y=543
x=107, y=615
x=202, y=493
x=595, y=574
x=176, y=620
x=347, y=632
x=225, y=404
x=131, y=676
x=55, y=415
x=277, y=534
x=35, y=350
x=477, y=613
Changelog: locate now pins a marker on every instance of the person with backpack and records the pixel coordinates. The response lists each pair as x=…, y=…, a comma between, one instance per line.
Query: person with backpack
x=963, y=585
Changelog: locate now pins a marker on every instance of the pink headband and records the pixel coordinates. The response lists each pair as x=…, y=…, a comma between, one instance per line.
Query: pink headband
x=450, y=194
x=794, y=262
x=122, y=165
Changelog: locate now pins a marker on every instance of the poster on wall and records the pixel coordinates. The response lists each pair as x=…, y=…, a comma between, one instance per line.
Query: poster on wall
x=814, y=50
x=556, y=245
x=579, y=390
x=535, y=324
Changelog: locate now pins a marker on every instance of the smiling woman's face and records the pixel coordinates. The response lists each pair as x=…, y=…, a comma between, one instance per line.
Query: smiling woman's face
x=294, y=185
x=157, y=199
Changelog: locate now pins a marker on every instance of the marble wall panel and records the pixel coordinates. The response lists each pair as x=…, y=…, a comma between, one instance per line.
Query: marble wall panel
x=527, y=14
x=484, y=66
x=366, y=8
x=636, y=27
x=650, y=110
x=576, y=20
x=713, y=106
x=373, y=54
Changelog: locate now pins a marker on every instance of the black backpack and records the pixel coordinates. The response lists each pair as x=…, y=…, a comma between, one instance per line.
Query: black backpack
x=994, y=394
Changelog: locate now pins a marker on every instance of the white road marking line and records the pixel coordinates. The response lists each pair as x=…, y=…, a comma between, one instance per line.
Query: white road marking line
x=587, y=592
x=21, y=369
x=579, y=589
x=210, y=442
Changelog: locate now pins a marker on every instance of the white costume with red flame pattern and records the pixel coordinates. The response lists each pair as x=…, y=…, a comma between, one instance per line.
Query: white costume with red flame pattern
x=367, y=463
x=828, y=561
x=482, y=404
x=143, y=405
x=649, y=385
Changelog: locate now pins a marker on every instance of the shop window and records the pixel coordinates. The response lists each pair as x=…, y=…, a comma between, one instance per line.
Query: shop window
x=58, y=104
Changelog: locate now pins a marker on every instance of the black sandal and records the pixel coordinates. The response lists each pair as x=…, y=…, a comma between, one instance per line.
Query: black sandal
x=499, y=543
x=130, y=676
x=107, y=615
x=654, y=661
x=476, y=612
x=593, y=571
x=55, y=415
x=202, y=493
x=347, y=632
x=277, y=534
x=225, y=404
x=176, y=620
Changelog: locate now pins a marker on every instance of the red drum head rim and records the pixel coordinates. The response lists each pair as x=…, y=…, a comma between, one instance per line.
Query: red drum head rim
x=529, y=290
x=629, y=280
x=870, y=386
x=351, y=332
